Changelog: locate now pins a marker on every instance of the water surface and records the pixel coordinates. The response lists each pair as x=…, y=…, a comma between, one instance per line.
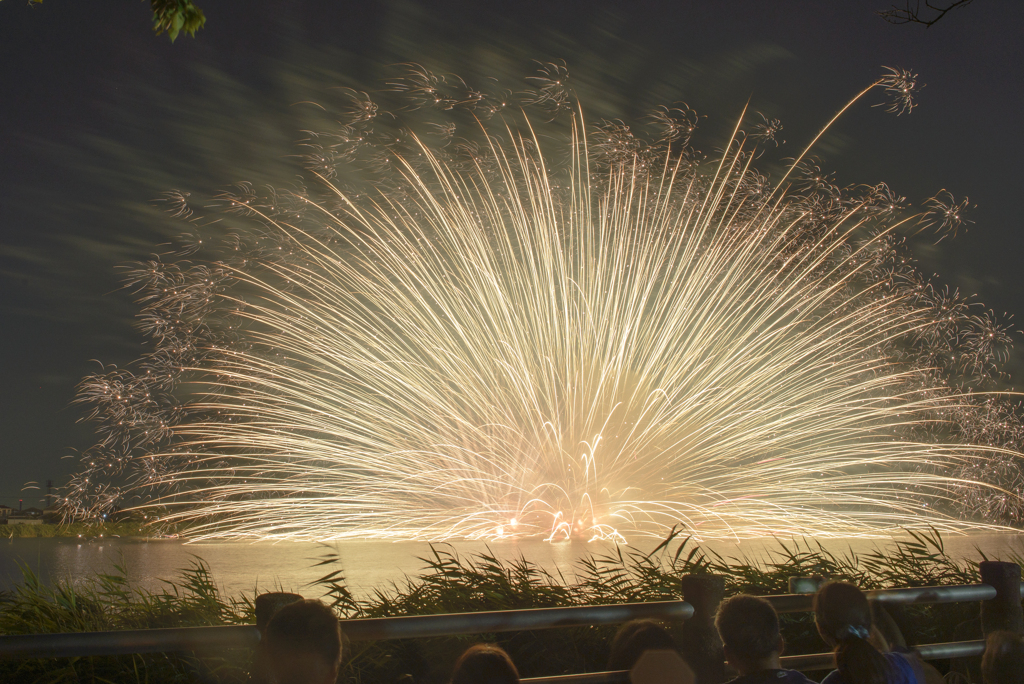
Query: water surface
x=239, y=567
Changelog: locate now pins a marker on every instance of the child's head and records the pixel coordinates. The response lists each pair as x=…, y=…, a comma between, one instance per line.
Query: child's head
x=749, y=628
x=841, y=610
x=485, y=664
x=1003, y=662
x=303, y=644
x=633, y=639
x=843, y=616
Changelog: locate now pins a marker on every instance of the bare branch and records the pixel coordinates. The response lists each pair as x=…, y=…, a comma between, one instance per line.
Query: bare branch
x=912, y=13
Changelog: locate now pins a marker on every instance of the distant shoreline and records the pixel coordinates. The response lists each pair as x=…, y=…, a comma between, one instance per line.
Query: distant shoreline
x=126, y=529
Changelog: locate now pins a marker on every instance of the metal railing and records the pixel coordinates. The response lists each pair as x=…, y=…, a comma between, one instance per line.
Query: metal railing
x=801, y=603
x=813, y=661
x=612, y=677
x=76, y=644
x=411, y=626
x=949, y=649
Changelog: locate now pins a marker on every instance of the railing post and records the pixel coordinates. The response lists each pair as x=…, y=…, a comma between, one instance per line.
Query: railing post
x=1004, y=611
x=701, y=646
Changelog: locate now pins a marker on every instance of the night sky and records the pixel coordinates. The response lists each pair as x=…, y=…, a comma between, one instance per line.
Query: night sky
x=98, y=116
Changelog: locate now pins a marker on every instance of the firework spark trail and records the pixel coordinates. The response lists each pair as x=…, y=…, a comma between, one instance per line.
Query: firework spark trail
x=518, y=351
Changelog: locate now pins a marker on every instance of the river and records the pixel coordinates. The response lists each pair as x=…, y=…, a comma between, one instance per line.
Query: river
x=239, y=568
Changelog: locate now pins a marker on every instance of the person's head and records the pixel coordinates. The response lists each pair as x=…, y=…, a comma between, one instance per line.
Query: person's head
x=303, y=644
x=635, y=637
x=749, y=628
x=485, y=664
x=843, y=616
x=1003, y=662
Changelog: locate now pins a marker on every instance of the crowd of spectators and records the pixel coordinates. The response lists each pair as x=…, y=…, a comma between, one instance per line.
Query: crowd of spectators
x=303, y=645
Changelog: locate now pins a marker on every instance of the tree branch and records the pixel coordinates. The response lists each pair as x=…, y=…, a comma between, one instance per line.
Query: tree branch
x=912, y=13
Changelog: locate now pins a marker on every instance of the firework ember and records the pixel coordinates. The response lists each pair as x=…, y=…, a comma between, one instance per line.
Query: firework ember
x=502, y=334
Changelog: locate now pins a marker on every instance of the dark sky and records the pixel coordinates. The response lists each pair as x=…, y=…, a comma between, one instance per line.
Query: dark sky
x=98, y=116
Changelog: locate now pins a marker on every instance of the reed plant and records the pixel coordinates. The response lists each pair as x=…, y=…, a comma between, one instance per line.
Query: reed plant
x=452, y=583
x=109, y=603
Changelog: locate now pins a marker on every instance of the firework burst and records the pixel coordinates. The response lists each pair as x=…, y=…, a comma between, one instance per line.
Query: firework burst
x=503, y=336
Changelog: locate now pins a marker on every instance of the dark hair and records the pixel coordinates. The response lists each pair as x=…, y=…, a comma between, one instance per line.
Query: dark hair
x=485, y=664
x=303, y=641
x=749, y=627
x=635, y=637
x=1003, y=662
x=843, y=616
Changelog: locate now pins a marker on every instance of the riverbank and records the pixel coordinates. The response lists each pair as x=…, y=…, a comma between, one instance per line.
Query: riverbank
x=243, y=566
x=451, y=583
